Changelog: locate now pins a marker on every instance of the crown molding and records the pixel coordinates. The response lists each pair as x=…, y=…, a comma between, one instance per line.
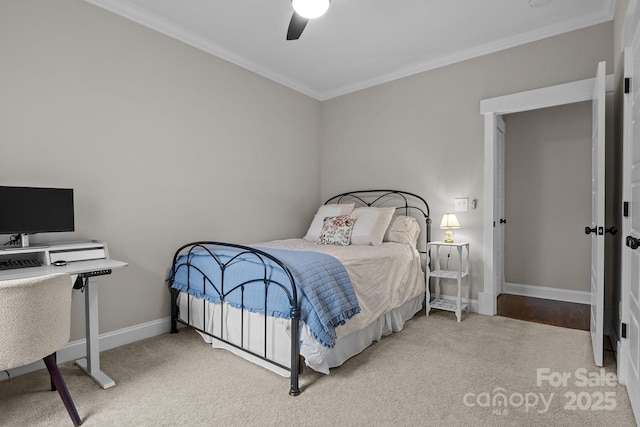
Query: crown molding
x=486, y=49
x=135, y=14
x=156, y=23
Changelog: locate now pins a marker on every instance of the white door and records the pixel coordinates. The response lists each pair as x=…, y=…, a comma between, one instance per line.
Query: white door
x=629, y=366
x=499, y=207
x=596, y=228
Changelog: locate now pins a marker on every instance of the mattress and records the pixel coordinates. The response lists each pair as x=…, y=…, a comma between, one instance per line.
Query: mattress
x=388, y=281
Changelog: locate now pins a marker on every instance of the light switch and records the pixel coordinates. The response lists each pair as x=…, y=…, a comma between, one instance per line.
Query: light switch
x=461, y=205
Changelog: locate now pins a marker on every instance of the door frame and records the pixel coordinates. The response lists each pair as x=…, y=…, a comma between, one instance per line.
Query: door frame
x=499, y=205
x=491, y=108
x=598, y=147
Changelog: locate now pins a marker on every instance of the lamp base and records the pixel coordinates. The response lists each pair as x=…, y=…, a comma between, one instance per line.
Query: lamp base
x=448, y=236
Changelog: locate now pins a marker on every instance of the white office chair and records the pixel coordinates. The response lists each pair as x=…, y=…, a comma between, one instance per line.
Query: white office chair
x=35, y=319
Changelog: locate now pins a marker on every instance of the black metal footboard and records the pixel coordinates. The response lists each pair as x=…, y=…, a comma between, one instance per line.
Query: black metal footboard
x=224, y=287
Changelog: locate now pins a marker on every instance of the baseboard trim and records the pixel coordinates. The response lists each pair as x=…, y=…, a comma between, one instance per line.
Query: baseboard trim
x=556, y=294
x=74, y=350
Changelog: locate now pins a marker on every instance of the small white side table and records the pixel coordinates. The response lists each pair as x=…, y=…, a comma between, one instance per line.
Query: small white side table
x=459, y=274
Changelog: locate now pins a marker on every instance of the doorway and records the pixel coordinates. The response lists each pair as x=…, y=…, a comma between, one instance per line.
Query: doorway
x=492, y=109
x=547, y=203
x=568, y=93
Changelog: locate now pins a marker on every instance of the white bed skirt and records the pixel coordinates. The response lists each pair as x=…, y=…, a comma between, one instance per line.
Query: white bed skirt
x=206, y=315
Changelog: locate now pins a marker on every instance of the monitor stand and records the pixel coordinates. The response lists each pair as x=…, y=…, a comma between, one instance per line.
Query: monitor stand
x=24, y=242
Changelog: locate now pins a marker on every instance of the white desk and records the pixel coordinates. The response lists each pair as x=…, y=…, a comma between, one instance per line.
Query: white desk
x=91, y=363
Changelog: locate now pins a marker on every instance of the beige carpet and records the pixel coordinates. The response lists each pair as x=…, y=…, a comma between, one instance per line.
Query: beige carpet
x=435, y=372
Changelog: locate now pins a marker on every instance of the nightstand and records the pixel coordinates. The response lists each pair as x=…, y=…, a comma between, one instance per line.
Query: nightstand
x=460, y=273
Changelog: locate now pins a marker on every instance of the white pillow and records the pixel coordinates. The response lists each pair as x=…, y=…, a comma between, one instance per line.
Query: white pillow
x=371, y=224
x=403, y=229
x=325, y=211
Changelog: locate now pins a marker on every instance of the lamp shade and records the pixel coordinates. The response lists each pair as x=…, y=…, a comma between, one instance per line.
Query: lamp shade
x=449, y=220
x=310, y=8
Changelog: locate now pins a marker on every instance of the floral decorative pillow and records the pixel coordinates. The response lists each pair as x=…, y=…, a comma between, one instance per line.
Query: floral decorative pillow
x=324, y=211
x=336, y=230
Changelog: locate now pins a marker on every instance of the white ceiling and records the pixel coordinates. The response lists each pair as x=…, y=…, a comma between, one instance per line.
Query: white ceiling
x=358, y=43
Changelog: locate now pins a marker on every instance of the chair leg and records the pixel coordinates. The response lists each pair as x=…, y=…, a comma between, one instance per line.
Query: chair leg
x=55, y=360
x=56, y=378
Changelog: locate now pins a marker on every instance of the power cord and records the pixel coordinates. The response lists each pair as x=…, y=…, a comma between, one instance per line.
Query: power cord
x=80, y=283
x=13, y=240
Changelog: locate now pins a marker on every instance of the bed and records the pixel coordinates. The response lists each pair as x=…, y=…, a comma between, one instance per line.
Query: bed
x=357, y=275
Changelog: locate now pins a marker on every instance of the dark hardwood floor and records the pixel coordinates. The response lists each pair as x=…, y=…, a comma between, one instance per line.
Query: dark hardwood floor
x=557, y=313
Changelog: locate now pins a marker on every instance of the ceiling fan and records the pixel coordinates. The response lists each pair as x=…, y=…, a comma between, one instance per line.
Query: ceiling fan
x=303, y=10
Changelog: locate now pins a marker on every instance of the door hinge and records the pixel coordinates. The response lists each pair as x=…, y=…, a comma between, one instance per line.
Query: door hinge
x=624, y=330
x=627, y=84
x=625, y=209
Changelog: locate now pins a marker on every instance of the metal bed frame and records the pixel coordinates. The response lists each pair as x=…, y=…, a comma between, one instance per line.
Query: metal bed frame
x=406, y=203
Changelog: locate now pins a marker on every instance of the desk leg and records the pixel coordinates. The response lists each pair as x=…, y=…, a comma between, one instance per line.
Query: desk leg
x=91, y=364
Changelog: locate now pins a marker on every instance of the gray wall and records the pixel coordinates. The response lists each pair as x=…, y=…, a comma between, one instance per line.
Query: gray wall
x=548, y=197
x=163, y=144
x=425, y=132
x=152, y=133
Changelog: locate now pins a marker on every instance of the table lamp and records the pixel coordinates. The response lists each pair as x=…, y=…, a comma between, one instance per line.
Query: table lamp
x=449, y=222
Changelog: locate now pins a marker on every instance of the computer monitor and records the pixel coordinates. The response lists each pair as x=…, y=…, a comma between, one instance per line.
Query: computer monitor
x=30, y=210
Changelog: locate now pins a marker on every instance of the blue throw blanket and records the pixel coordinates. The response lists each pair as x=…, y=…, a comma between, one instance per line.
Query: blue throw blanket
x=325, y=294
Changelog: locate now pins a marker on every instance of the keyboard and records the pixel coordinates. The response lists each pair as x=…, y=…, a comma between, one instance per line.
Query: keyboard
x=10, y=264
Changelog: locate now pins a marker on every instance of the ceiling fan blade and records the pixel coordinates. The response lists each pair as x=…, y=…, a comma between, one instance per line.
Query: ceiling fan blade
x=296, y=26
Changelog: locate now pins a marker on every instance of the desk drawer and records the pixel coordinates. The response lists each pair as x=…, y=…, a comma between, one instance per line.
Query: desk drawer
x=77, y=255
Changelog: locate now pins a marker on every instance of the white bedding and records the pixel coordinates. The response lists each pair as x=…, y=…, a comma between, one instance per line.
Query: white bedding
x=383, y=277
x=388, y=281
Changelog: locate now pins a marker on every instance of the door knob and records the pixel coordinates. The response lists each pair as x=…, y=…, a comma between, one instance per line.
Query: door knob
x=612, y=230
x=632, y=242
x=589, y=230
x=503, y=221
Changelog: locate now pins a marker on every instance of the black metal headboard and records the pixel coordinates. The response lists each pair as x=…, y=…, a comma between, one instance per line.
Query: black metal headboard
x=224, y=285
x=407, y=203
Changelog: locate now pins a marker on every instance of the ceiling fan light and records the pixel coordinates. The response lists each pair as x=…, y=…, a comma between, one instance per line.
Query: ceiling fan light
x=310, y=9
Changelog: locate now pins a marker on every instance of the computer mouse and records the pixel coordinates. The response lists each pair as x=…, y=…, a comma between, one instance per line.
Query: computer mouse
x=59, y=263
